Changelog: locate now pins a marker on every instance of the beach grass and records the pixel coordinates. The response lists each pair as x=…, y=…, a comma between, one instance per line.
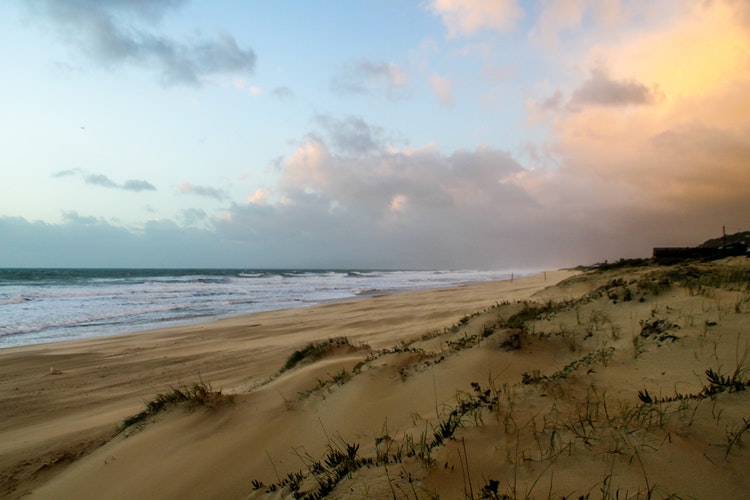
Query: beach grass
x=198, y=394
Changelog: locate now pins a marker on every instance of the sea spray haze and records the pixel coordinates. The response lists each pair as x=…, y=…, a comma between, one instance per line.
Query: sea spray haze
x=48, y=305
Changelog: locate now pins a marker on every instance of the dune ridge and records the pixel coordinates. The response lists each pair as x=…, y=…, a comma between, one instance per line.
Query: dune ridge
x=625, y=382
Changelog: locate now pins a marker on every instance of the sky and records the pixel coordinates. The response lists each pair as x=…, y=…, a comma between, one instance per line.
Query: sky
x=433, y=134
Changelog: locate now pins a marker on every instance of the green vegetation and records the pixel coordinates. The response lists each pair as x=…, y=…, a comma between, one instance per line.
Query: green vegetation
x=696, y=279
x=197, y=394
x=658, y=328
x=340, y=461
x=470, y=403
x=598, y=356
x=313, y=352
x=530, y=312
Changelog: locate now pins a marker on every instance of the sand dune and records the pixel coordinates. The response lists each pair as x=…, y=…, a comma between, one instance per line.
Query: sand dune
x=457, y=393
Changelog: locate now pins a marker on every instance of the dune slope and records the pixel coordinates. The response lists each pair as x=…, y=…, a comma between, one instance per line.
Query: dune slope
x=621, y=383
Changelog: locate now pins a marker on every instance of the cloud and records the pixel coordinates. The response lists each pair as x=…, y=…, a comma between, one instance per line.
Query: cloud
x=390, y=207
x=116, y=32
x=243, y=85
x=101, y=180
x=499, y=74
x=619, y=182
x=671, y=155
x=66, y=173
x=372, y=204
x=363, y=76
x=192, y=216
x=399, y=203
x=205, y=191
x=352, y=135
x=467, y=17
x=601, y=90
x=72, y=217
x=560, y=21
x=84, y=241
x=136, y=185
x=283, y=93
x=259, y=197
x=348, y=197
x=556, y=17
x=553, y=102
x=443, y=89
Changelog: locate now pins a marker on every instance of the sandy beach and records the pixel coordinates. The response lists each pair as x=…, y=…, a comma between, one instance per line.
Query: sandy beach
x=596, y=386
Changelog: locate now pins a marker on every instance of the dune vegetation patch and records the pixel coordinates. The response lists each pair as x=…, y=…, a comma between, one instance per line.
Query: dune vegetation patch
x=573, y=409
x=199, y=394
x=315, y=351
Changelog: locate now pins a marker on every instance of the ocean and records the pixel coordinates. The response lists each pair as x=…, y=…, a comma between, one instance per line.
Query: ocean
x=49, y=305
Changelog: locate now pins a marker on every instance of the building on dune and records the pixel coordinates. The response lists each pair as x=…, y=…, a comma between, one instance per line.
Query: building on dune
x=730, y=250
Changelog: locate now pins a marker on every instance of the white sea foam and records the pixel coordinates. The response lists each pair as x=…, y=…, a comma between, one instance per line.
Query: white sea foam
x=38, y=306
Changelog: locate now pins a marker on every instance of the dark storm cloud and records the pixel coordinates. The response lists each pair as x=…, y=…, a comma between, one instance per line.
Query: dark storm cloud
x=116, y=32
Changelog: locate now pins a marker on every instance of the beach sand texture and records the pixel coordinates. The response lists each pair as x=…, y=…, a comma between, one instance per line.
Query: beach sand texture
x=458, y=393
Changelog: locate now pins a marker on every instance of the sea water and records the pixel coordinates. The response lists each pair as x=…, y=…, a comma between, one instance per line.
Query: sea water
x=49, y=305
